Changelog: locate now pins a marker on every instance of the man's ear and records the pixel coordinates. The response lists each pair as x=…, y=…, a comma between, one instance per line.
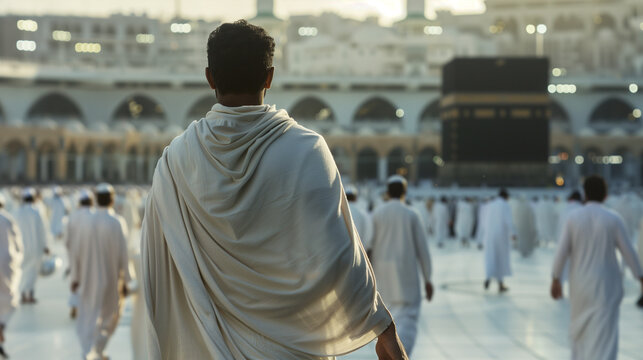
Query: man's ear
x=208, y=75
x=271, y=73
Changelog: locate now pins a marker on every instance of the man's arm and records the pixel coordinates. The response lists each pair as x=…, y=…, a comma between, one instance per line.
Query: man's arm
x=564, y=249
x=423, y=254
x=389, y=345
x=627, y=251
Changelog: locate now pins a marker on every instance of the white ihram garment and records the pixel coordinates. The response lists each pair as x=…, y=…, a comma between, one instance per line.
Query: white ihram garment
x=525, y=222
x=100, y=268
x=248, y=250
x=440, y=219
x=363, y=224
x=58, y=208
x=34, y=239
x=399, y=246
x=498, y=228
x=464, y=220
x=77, y=231
x=590, y=239
x=11, y=251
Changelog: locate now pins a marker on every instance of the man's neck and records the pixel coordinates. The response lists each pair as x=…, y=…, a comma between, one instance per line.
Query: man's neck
x=236, y=100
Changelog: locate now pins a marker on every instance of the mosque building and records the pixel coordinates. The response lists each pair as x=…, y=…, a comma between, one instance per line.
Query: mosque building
x=84, y=99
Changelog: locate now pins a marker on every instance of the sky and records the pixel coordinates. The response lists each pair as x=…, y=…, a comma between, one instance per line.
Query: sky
x=388, y=10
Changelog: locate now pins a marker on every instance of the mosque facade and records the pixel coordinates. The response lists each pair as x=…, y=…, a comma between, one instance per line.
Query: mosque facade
x=85, y=99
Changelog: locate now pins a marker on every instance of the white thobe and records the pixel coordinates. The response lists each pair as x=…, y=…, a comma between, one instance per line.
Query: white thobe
x=399, y=246
x=525, y=222
x=440, y=220
x=546, y=219
x=590, y=239
x=59, y=209
x=100, y=268
x=77, y=231
x=248, y=248
x=363, y=224
x=464, y=220
x=497, y=230
x=34, y=239
x=11, y=252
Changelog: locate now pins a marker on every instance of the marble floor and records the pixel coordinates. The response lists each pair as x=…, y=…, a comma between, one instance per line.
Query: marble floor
x=462, y=322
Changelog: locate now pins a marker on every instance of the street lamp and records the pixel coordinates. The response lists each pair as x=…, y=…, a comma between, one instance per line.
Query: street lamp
x=540, y=30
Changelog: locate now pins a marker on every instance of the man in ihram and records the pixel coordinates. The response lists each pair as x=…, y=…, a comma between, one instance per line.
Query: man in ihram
x=591, y=235
x=248, y=249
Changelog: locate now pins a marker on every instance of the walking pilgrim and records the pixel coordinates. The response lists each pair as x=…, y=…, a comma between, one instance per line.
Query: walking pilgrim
x=399, y=248
x=464, y=221
x=34, y=239
x=100, y=274
x=440, y=220
x=58, y=208
x=574, y=202
x=525, y=222
x=248, y=248
x=11, y=252
x=78, y=230
x=361, y=219
x=497, y=233
x=590, y=239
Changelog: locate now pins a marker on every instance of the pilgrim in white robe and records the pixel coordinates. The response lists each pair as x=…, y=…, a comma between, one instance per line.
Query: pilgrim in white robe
x=77, y=230
x=34, y=239
x=11, y=252
x=464, y=220
x=525, y=222
x=399, y=246
x=590, y=239
x=546, y=220
x=100, y=269
x=440, y=220
x=59, y=208
x=248, y=249
x=363, y=224
x=498, y=229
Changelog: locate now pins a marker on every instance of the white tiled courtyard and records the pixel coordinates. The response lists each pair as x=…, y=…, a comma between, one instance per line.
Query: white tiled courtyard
x=462, y=322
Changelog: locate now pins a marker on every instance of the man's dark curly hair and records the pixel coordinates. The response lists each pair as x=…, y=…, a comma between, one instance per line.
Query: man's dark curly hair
x=239, y=56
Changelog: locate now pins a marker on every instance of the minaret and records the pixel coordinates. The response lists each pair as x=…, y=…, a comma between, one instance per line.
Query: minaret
x=265, y=8
x=415, y=8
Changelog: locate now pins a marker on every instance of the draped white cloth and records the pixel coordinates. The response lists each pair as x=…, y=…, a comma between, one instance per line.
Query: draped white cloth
x=464, y=220
x=100, y=267
x=440, y=220
x=11, y=252
x=248, y=250
x=590, y=239
x=546, y=221
x=497, y=230
x=77, y=231
x=363, y=224
x=525, y=222
x=58, y=208
x=34, y=239
x=400, y=247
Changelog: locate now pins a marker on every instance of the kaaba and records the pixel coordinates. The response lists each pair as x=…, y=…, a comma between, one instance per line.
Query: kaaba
x=495, y=122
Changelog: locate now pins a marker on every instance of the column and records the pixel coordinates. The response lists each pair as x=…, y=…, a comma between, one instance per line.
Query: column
x=382, y=167
x=80, y=170
x=353, y=173
x=60, y=167
x=44, y=161
x=140, y=166
x=121, y=165
x=32, y=165
x=98, y=166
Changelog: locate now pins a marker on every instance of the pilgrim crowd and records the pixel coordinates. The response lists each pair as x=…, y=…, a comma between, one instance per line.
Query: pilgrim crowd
x=100, y=229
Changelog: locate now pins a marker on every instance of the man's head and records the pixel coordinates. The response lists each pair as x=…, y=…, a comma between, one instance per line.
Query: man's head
x=29, y=195
x=351, y=193
x=85, y=198
x=595, y=188
x=240, y=60
x=444, y=199
x=575, y=196
x=3, y=200
x=396, y=187
x=503, y=194
x=105, y=195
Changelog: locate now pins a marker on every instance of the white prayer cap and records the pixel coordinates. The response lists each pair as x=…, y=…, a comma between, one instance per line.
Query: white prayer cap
x=350, y=190
x=104, y=188
x=84, y=194
x=57, y=190
x=397, y=179
x=28, y=192
x=3, y=199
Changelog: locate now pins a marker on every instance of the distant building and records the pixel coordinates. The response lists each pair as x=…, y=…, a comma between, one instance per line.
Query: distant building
x=86, y=98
